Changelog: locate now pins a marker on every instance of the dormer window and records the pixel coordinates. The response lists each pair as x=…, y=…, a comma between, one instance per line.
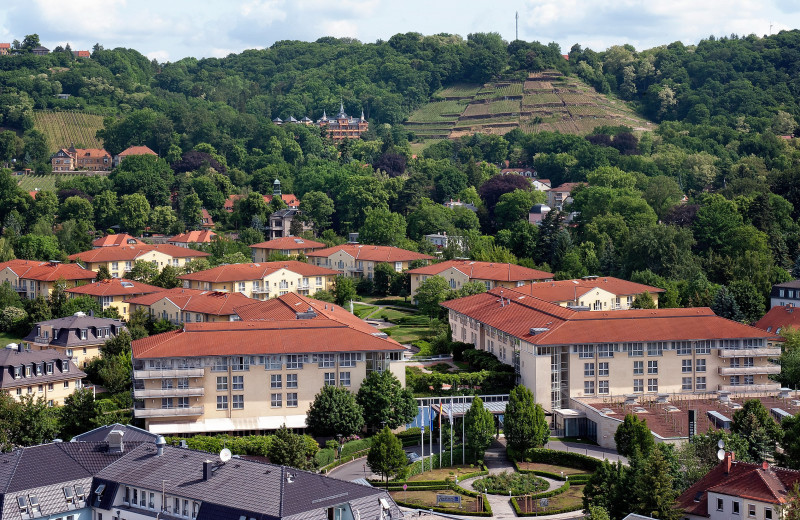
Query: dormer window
x=38, y=369
x=55, y=333
x=34, y=504
x=22, y=502
x=17, y=372
x=69, y=495
x=83, y=333
x=28, y=370
x=49, y=368
x=79, y=493
x=65, y=365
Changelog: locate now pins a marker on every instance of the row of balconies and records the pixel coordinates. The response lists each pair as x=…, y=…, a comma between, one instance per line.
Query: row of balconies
x=168, y=373
x=750, y=352
x=746, y=371
x=769, y=387
x=168, y=412
x=141, y=393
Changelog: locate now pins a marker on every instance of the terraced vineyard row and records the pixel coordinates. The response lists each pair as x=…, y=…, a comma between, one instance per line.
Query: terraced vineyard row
x=62, y=129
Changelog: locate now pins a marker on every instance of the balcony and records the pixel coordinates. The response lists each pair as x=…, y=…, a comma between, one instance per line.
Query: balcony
x=45, y=340
x=750, y=352
x=770, y=387
x=167, y=412
x=168, y=374
x=260, y=290
x=141, y=393
x=746, y=371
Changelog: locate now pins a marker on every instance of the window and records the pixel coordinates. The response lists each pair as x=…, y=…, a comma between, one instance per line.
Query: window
x=166, y=403
x=222, y=383
x=686, y=383
x=276, y=400
x=652, y=385
x=166, y=384
x=652, y=367
x=347, y=360
x=768, y=513
x=276, y=381
x=584, y=351
x=325, y=360
x=736, y=380
x=238, y=402
x=19, y=391
x=588, y=370
x=749, y=380
x=220, y=364
x=720, y=504
x=240, y=363
x=704, y=347
x=291, y=399
x=295, y=361
x=66, y=384
x=238, y=382
x=699, y=365
x=638, y=385
x=183, y=402
x=700, y=383
x=686, y=366
x=751, y=510
x=638, y=368
x=684, y=348
x=83, y=333
x=330, y=378
x=272, y=362
x=398, y=266
x=319, y=280
x=605, y=350
x=222, y=402
x=588, y=387
x=602, y=387
x=655, y=348
x=291, y=380
x=49, y=368
x=50, y=386
x=735, y=507
x=602, y=369
x=242, y=287
x=344, y=378
x=183, y=383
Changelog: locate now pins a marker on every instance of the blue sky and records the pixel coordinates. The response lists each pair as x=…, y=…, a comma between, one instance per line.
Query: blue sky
x=169, y=30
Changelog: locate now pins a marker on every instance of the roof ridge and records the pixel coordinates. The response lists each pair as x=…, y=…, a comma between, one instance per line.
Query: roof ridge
x=14, y=471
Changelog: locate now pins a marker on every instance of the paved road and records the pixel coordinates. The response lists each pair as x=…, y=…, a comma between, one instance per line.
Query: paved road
x=587, y=449
x=359, y=469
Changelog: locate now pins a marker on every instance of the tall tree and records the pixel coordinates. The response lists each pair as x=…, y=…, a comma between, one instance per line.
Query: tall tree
x=430, y=294
x=386, y=456
x=479, y=427
x=385, y=402
x=633, y=436
x=525, y=425
x=288, y=449
x=334, y=411
x=753, y=422
x=653, y=489
x=344, y=289
x=79, y=413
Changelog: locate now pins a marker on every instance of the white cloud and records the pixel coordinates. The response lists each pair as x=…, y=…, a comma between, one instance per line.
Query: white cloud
x=263, y=12
x=159, y=56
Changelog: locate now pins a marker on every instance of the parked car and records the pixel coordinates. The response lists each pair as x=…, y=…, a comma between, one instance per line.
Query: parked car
x=412, y=457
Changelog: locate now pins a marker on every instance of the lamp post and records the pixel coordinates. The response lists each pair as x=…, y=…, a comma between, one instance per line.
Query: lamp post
x=339, y=448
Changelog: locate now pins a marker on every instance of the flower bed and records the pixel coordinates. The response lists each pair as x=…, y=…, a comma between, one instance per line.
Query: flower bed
x=513, y=483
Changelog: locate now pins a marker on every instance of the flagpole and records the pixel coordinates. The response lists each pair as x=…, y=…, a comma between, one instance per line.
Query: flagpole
x=451, y=430
x=463, y=437
x=440, y=432
x=422, y=437
x=430, y=427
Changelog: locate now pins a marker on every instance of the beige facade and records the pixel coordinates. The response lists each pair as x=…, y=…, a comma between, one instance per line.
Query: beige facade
x=118, y=268
x=30, y=289
x=456, y=279
x=347, y=264
x=53, y=393
x=274, y=284
x=39, y=374
x=170, y=311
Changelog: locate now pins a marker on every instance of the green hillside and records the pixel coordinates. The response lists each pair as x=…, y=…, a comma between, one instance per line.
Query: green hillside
x=62, y=129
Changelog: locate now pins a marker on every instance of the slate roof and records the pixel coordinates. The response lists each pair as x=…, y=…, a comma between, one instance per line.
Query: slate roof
x=256, y=271
x=10, y=358
x=72, y=324
x=372, y=253
x=485, y=271
x=131, y=434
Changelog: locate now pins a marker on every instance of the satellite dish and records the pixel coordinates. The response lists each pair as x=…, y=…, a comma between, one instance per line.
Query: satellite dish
x=721, y=454
x=720, y=444
x=225, y=455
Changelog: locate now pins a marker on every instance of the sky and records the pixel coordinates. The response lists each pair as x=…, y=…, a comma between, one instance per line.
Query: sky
x=168, y=30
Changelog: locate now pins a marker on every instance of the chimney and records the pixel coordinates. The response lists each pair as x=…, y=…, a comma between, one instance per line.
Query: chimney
x=160, y=443
x=765, y=465
x=207, y=470
x=114, y=439
x=730, y=457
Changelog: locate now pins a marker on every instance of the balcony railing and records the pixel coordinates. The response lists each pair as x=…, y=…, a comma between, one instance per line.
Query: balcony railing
x=168, y=412
x=141, y=393
x=42, y=339
x=750, y=388
x=750, y=352
x=169, y=373
x=745, y=371
x=260, y=290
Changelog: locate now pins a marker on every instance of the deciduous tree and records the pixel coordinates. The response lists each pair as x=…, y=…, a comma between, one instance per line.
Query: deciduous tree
x=632, y=436
x=334, y=411
x=386, y=456
x=385, y=402
x=479, y=427
x=525, y=425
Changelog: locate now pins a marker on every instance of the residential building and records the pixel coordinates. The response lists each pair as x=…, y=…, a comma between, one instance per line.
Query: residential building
x=78, y=337
x=126, y=473
x=5, y=49
x=207, y=222
x=263, y=280
x=291, y=201
x=359, y=260
x=31, y=278
x=210, y=377
x=778, y=318
x=121, y=239
x=132, y=150
x=113, y=292
x=81, y=159
x=343, y=126
x=785, y=294
x=192, y=237
x=442, y=240
x=189, y=305
x=40, y=51
x=562, y=354
x=458, y=204
x=287, y=246
x=280, y=223
x=62, y=161
x=38, y=373
x=82, y=54
x=537, y=213
x=736, y=489
x=595, y=293
x=540, y=184
x=529, y=173
x=562, y=195
x=491, y=274
x=119, y=260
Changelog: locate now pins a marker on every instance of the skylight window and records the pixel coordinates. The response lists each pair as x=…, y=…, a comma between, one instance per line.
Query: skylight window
x=68, y=494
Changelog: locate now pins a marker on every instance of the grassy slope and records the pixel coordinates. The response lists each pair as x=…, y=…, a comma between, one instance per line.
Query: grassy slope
x=63, y=129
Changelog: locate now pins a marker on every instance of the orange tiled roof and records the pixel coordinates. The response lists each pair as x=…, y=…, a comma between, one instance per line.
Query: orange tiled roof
x=92, y=152
x=567, y=290
x=288, y=198
x=47, y=271
x=778, y=318
x=132, y=252
x=137, y=150
x=568, y=186
x=518, y=313
x=485, y=271
x=288, y=243
x=255, y=271
x=372, y=253
x=5, y=45
x=113, y=240
x=83, y=54
x=194, y=237
x=194, y=300
x=115, y=287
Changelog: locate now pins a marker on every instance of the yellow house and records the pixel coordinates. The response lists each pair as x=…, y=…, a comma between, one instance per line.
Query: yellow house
x=263, y=280
x=78, y=337
x=359, y=260
x=32, y=278
x=287, y=246
x=598, y=293
x=491, y=274
x=39, y=373
x=190, y=305
x=120, y=259
x=113, y=292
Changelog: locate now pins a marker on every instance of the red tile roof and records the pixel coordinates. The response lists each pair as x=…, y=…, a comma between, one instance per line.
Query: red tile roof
x=288, y=243
x=92, y=152
x=518, y=313
x=288, y=198
x=193, y=237
x=372, y=253
x=132, y=252
x=568, y=186
x=778, y=318
x=194, y=300
x=256, y=271
x=82, y=54
x=485, y=271
x=115, y=287
x=567, y=290
x=113, y=240
x=47, y=271
x=5, y=45
x=137, y=150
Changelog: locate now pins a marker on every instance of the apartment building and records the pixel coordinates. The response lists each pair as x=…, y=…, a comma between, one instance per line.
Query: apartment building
x=597, y=293
x=192, y=237
x=561, y=195
x=359, y=260
x=113, y=292
x=262, y=280
x=560, y=353
x=189, y=305
x=257, y=374
x=78, y=337
x=48, y=374
x=119, y=260
x=785, y=294
x=31, y=278
x=130, y=475
x=287, y=246
x=491, y=274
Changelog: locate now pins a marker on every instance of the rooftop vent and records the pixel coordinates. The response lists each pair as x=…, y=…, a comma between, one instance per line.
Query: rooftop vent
x=538, y=330
x=114, y=439
x=80, y=314
x=160, y=443
x=310, y=314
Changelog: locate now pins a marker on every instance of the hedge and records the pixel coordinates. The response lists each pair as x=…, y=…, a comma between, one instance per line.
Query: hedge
x=356, y=446
x=458, y=489
x=559, y=458
x=546, y=512
x=344, y=460
x=325, y=457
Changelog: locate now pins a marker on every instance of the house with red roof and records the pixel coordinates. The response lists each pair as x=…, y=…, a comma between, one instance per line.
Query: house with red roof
x=259, y=373
x=192, y=237
x=81, y=159
x=561, y=195
x=120, y=239
x=113, y=292
x=132, y=150
x=491, y=274
x=290, y=199
x=595, y=293
x=359, y=260
x=32, y=278
x=778, y=318
x=181, y=305
x=120, y=259
x=206, y=221
x=5, y=49
x=82, y=54
x=287, y=246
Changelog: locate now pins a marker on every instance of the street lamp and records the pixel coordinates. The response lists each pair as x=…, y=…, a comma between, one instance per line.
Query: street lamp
x=339, y=439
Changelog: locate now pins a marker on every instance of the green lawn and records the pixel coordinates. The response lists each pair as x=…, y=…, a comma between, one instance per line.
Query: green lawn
x=394, y=315
x=6, y=338
x=362, y=311
x=403, y=334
